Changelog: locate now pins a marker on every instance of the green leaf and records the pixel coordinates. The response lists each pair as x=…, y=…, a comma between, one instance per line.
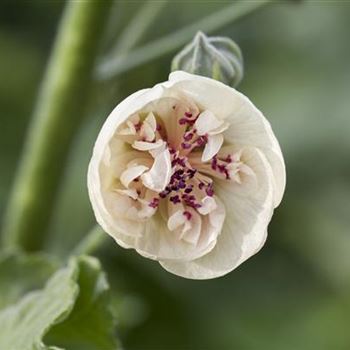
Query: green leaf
x=72, y=309
x=20, y=274
x=90, y=326
x=23, y=325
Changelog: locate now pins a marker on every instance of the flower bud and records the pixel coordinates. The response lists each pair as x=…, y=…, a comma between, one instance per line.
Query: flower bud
x=219, y=58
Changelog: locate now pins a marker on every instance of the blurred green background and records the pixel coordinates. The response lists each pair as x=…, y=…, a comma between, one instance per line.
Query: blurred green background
x=295, y=294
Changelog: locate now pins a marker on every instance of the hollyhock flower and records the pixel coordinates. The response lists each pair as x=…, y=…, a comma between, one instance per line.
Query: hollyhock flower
x=187, y=173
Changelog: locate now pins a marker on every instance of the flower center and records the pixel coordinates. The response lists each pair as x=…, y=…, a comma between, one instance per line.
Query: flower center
x=185, y=182
x=178, y=156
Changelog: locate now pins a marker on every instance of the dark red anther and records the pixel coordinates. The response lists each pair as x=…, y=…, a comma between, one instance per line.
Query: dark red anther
x=222, y=168
x=163, y=194
x=228, y=159
x=191, y=173
x=182, y=184
x=187, y=214
x=138, y=126
x=189, y=189
x=202, y=140
x=209, y=190
x=154, y=203
x=175, y=199
x=185, y=145
x=188, y=136
x=181, y=161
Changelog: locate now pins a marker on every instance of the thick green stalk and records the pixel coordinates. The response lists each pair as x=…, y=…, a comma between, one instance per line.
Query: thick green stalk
x=110, y=68
x=57, y=115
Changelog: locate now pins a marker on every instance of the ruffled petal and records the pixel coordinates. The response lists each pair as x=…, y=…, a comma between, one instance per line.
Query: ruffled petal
x=147, y=146
x=244, y=231
x=131, y=174
x=208, y=205
x=207, y=122
x=159, y=175
x=248, y=126
x=212, y=147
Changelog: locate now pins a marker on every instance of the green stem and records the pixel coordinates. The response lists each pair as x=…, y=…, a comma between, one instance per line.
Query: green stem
x=91, y=242
x=111, y=68
x=138, y=26
x=130, y=37
x=56, y=117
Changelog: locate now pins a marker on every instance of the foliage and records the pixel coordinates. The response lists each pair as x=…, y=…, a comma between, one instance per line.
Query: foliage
x=71, y=310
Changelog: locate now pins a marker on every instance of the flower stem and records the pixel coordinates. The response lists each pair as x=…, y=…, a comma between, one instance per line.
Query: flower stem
x=137, y=27
x=57, y=115
x=91, y=242
x=111, y=68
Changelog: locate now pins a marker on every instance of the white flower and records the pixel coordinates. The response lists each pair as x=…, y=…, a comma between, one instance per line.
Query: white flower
x=187, y=173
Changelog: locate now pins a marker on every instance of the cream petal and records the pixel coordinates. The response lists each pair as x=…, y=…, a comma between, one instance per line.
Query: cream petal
x=245, y=228
x=129, y=131
x=107, y=148
x=207, y=122
x=147, y=133
x=212, y=147
x=158, y=242
x=146, y=211
x=147, y=146
x=192, y=232
x=159, y=175
x=161, y=147
x=248, y=126
x=170, y=109
x=208, y=205
x=176, y=220
x=224, y=126
x=151, y=121
x=132, y=193
x=119, y=220
x=116, y=164
x=132, y=173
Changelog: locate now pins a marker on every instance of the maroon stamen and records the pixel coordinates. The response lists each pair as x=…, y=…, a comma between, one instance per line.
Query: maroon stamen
x=228, y=159
x=185, y=145
x=138, y=126
x=175, y=199
x=209, y=190
x=202, y=140
x=154, y=203
x=187, y=214
x=188, y=136
x=189, y=189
